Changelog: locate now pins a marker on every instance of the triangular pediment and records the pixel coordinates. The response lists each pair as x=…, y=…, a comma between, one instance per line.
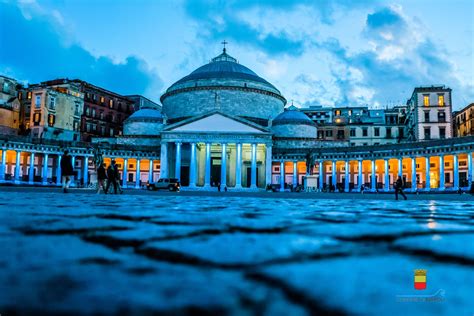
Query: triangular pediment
x=218, y=123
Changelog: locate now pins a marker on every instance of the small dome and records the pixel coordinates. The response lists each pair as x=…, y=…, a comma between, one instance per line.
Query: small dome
x=292, y=115
x=146, y=114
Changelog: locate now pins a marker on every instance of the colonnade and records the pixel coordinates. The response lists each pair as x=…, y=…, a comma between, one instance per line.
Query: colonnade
x=194, y=169
x=411, y=169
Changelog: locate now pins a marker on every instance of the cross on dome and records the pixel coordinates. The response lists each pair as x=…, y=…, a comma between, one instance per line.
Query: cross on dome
x=224, y=43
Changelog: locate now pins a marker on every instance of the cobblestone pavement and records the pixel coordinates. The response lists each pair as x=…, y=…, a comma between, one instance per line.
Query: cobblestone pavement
x=232, y=255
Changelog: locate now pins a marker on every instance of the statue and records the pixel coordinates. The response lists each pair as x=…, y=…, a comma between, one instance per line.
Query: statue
x=310, y=159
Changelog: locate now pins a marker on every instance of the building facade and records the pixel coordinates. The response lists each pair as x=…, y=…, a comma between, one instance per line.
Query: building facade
x=464, y=121
x=55, y=112
x=224, y=125
x=9, y=106
x=429, y=113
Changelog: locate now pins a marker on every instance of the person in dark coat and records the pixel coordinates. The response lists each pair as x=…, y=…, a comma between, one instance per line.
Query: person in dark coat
x=399, y=188
x=67, y=170
x=111, y=179
x=116, y=176
x=101, y=178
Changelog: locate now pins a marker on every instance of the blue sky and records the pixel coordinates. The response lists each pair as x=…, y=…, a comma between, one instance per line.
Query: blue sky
x=332, y=53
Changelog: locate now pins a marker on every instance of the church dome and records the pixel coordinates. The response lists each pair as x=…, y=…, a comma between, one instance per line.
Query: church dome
x=293, y=123
x=226, y=86
x=146, y=121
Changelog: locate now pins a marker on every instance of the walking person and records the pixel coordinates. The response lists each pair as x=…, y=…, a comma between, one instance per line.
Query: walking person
x=67, y=170
x=116, y=176
x=101, y=178
x=398, y=186
x=111, y=179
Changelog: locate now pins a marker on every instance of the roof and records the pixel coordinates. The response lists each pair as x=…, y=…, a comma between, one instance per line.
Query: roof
x=146, y=114
x=223, y=66
x=292, y=115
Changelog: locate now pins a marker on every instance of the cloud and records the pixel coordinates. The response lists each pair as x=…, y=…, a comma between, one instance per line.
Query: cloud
x=35, y=46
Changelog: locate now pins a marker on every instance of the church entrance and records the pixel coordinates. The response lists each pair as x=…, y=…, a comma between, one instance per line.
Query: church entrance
x=184, y=176
x=249, y=177
x=215, y=170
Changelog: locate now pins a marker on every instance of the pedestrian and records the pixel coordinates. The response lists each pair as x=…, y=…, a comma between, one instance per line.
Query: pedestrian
x=110, y=179
x=362, y=189
x=101, y=178
x=225, y=189
x=398, y=186
x=67, y=170
x=117, y=176
x=219, y=186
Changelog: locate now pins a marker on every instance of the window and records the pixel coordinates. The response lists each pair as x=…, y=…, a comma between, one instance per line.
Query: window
x=6, y=87
x=350, y=112
x=441, y=116
x=442, y=132
x=440, y=99
x=111, y=104
x=427, y=116
x=51, y=119
x=389, y=133
x=52, y=103
x=93, y=112
x=328, y=133
x=320, y=134
x=76, y=125
x=426, y=100
x=88, y=111
x=36, y=119
x=376, y=131
x=365, y=132
x=337, y=112
x=340, y=134
x=37, y=101
x=111, y=132
x=102, y=99
x=427, y=133
x=353, y=132
x=88, y=127
x=29, y=95
x=101, y=115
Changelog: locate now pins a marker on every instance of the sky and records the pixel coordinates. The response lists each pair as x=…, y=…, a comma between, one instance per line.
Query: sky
x=329, y=53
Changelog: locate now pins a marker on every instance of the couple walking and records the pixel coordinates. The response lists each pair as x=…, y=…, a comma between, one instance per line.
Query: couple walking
x=111, y=176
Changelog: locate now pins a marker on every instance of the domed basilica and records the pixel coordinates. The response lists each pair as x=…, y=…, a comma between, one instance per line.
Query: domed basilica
x=219, y=124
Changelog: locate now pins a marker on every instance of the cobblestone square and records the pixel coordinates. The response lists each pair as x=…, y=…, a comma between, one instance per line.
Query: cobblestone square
x=215, y=255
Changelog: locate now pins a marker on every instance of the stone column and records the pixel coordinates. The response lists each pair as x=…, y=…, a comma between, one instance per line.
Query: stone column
x=192, y=171
x=207, y=175
x=321, y=175
x=3, y=165
x=58, y=171
x=346, y=175
x=137, y=178
x=441, y=173
x=253, y=173
x=456, y=171
x=400, y=167
x=44, y=170
x=238, y=167
x=373, y=178
x=427, y=174
x=177, y=170
x=386, y=176
x=282, y=176
x=413, y=174
x=150, y=171
x=268, y=165
x=17, y=167
x=361, y=180
x=31, y=173
x=334, y=173
x=73, y=178
x=224, y=166
x=470, y=174
x=85, y=176
x=163, y=161
x=295, y=175
x=125, y=173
